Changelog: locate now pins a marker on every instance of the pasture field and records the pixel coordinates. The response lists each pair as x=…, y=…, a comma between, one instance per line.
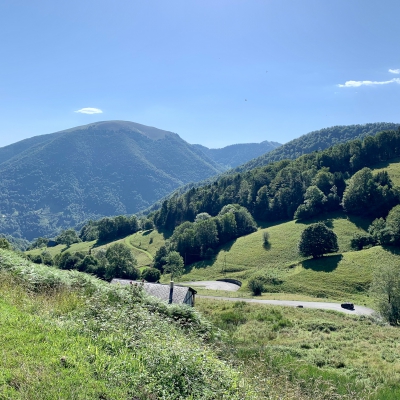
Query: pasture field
x=392, y=167
x=328, y=355
x=345, y=275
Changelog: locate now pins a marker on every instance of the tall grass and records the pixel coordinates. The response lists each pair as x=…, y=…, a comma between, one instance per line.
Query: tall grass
x=114, y=341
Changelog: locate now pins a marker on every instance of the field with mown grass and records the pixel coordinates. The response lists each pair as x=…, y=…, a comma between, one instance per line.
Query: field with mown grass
x=143, y=245
x=67, y=335
x=327, y=355
x=392, y=167
x=345, y=275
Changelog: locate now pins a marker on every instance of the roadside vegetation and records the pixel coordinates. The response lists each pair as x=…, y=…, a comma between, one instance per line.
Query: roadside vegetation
x=311, y=354
x=67, y=335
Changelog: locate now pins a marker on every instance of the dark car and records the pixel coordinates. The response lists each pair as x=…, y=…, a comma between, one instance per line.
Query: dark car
x=347, y=306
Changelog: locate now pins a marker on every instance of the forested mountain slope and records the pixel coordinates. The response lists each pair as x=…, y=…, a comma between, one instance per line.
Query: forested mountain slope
x=318, y=140
x=237, y=154
x=106, y=168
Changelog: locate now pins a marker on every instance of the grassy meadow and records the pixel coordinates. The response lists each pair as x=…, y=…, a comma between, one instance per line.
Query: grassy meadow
x=316, y=354
x=345, y=275
x=67, y=335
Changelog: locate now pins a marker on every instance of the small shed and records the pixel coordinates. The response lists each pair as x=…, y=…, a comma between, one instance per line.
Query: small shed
x=180, y=294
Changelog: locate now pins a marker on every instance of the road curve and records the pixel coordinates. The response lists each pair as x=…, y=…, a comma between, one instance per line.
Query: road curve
x=358, y=310
x=214, y=285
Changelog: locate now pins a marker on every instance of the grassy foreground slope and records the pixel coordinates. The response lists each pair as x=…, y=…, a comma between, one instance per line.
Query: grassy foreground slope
x=68, y=335
x=331, y=355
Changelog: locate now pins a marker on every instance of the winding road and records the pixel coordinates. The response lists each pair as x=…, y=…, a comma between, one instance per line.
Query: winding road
x=218, y=285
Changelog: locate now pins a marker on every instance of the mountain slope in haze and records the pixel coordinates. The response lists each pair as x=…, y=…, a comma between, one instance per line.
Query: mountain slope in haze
x=317, y=140
x=237, y=154
x=106, y=168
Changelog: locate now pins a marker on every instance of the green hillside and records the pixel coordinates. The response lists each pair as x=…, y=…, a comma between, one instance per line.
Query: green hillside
x=318, y=140
x=66, y=335
x=345, y=275
x=237, y=154
x=107, y=168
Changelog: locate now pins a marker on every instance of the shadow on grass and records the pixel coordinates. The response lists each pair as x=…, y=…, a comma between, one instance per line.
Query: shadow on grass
x=267, y=246
x=323, y=264
x=269, y=224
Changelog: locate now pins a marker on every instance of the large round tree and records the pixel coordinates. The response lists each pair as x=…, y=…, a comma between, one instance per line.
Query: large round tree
x=317, y=240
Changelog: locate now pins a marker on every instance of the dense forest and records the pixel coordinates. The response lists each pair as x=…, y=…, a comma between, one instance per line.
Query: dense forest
x=318, y=140
x=321, y=181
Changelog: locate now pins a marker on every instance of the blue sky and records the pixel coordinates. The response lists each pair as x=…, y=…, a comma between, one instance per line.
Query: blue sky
x=216, y=72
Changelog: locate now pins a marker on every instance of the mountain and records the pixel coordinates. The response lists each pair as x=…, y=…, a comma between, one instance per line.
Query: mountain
x=58, y=180
x=318, y=140
x=237, y=154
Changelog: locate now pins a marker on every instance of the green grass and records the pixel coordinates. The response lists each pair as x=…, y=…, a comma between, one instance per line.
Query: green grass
x=67, y=335
x=345, y=275
x=392, y=167
x=143, y=245
x=331, y=353
x=82, y=246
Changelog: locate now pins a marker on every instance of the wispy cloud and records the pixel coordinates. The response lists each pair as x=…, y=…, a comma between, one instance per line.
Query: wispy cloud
x=89, y=110
x=394, y=71
x=368, y=83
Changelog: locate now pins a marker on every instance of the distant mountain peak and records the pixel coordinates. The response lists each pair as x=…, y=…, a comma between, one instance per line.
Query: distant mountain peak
x=117, y=126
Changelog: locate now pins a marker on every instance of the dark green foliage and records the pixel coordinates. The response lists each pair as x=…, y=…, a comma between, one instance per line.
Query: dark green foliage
x=47, y=259
x=265, y=238
x=68, y=237
x=386, y=289
x=110, y=229
x=67, y=260
x=148, y=224
x=314, y=203
x=393, y=223
x=361, y=240
x=4, y=244
x=151, y=275
x=256, y=286
x=35, y=258
x=317, y=240
x=276, y=191
x=160, y=258
x=198, y=240
x=121, y=262
x=96, y=170
x=370, y=195
x=322, y=139
x=89, y=231
x=174, y=265
x=38, y=243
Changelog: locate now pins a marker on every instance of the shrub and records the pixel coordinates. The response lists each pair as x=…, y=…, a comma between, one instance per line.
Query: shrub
x=265, y=238
x=256, y=286
x=4, y=244
x=360, y=240
x=151, y=275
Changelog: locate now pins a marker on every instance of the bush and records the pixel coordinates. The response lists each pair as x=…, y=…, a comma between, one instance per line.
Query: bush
x=4, y=244
x=151, y=275
x=266, y=238
x=360, y=240
x=256, y=286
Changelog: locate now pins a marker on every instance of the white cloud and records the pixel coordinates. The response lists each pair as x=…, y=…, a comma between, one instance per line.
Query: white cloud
x=394, y=71
x=89, y=110
x=368, y=83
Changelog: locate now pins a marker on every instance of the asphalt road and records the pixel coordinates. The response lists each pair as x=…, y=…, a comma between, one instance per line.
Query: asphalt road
x=215, y=285
x=358, y=310
x=218, y=285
